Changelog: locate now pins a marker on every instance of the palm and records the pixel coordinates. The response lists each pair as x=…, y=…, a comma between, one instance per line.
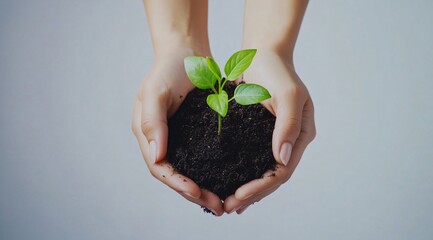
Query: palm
x=293, y=108
x=159, y=96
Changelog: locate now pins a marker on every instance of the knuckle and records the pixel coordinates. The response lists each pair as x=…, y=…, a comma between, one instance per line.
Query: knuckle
x=306, y=136
x=146, y=126
x=312, y=134
x=163, y=93
x=134, y=129
x=292, y=91
x=160, y=90
x=153, y=173
x=293, y=125
x=285, y=177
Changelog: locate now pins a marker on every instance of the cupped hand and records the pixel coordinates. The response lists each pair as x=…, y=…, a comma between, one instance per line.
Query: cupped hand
x=294, y=127
x=159, y=96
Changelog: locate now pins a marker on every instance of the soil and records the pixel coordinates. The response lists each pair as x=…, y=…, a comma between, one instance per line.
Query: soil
x=220, y=164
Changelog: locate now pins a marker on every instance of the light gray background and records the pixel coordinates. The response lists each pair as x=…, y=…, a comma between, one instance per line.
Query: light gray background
x=70, y=167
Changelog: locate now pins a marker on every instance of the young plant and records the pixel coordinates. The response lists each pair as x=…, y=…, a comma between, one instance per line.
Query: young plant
x=205, y=73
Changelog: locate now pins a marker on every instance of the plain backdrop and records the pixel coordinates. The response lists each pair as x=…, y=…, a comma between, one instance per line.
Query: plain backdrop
x=70, y=167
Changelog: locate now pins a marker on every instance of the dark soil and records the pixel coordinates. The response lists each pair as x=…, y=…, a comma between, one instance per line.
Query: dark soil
x=221, y=164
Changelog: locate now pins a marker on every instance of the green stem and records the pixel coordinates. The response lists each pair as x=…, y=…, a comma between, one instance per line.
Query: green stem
x=222, y=85
x=219, y=124
x=231, y=99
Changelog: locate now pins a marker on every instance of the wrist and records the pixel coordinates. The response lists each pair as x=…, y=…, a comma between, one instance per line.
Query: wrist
x=261, y=40
x=268, y=50
x=182, y=44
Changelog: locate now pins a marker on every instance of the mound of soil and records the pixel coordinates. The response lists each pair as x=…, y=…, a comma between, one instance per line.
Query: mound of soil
x=220, y=164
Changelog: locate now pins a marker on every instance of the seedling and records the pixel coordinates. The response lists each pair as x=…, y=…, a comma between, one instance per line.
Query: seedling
x=205, y=73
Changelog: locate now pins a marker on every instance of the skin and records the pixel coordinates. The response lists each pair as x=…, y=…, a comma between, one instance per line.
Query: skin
x=272, y=28
x=179, y=29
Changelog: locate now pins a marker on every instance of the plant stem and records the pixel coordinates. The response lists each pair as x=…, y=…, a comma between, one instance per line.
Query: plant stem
x=219, y=84
x=214, y=90
x=219, y=124
x=222, y=85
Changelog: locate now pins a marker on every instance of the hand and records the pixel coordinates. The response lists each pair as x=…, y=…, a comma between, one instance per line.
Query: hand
x=294, y=126
x=159, y=96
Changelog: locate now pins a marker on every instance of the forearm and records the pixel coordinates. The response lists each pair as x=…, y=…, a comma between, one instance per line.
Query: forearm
x=179, y=23
x=273, y=25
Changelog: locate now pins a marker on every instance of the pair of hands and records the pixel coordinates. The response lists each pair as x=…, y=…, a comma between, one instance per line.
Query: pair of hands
x=162, y=92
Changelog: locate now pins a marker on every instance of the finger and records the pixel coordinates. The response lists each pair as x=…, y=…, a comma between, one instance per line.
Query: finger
x=154, y=122
x=162, y=171
x=278, y=176
x=231, y=204
x=298, y=151
x=270, y=178
x=282, y=173
x=287, y=125
x=259, y=188
x=242, y=209
x=166, y=174
x=308, y=133
x=208, y=200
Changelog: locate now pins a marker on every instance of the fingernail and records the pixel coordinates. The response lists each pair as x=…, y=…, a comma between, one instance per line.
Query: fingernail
x=286, y=150
x=152, y=151
x=243, y=209
x=190, y=195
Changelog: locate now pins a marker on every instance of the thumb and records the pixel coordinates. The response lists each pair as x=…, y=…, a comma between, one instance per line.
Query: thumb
x=287, y=127
x=154, y=125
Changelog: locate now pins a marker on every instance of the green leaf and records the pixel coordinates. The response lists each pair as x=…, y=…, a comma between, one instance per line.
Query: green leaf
x=199, y=73
x=247, y=94
x=238, y=63
x=219, y=103
x=214, y=68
